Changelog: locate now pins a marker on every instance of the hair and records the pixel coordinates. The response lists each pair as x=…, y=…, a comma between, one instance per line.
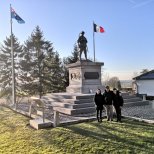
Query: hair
x=99, y=90
x=107, y=87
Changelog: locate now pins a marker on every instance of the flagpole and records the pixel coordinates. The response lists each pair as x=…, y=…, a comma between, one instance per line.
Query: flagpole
x=94, y=41
x=12, y=64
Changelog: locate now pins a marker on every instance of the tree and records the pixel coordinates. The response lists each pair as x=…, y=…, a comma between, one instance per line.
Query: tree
x=114, y=82
x=105, y=78
x=144, y=71
x=74, y=57
x=69, y=60
x=135, y=74
x=55, y=73
x=6, y=67
x=40, y=66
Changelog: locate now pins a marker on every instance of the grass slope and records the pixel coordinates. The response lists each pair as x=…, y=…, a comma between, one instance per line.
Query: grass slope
x=17, y=137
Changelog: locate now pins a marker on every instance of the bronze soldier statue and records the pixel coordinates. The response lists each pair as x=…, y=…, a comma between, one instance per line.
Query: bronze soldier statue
x=82, y=44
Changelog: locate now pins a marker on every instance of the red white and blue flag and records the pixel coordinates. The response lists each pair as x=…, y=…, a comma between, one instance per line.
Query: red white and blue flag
x=16, y=16
x=98, y=28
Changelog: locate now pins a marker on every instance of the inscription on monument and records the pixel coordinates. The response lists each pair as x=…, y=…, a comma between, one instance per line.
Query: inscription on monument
x=75, y=76
x=91, y=75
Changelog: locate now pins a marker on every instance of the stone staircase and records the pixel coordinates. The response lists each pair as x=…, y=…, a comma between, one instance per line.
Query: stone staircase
x=71, y=104
x=79, y=104
x=132, y=100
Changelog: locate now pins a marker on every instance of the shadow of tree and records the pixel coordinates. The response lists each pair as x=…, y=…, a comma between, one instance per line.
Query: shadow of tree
x=108, y=135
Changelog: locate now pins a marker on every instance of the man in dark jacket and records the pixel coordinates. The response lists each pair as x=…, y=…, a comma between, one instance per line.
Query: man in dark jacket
x=108, y=96
x=99, y=101
x=117, y=103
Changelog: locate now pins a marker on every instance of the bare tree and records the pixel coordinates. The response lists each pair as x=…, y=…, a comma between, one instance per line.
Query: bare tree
x=114, y=82
x=135, y=74
x=105, y=78
x=144, y=71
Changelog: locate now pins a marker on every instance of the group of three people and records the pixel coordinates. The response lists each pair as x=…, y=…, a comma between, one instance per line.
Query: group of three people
x=108, y=100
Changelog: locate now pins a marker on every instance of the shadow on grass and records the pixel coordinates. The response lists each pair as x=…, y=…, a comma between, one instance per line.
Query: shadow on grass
x=124, y=128
x=107, y=134
x=9, y=120
x=132, y=123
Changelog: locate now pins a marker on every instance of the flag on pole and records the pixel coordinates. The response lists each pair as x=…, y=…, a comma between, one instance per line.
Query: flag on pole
x=98, y=28
x=16, y=16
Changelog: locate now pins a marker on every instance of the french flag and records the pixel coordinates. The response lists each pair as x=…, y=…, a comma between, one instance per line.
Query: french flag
x=98, y=28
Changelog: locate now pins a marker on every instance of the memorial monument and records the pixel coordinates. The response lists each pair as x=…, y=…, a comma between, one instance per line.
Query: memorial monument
x=84, y=80
x=84, y=75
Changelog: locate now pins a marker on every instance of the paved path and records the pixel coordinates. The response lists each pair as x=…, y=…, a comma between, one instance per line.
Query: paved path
x=144, y=112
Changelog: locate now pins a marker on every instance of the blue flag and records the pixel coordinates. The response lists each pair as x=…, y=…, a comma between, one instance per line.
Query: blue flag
x=16, y=16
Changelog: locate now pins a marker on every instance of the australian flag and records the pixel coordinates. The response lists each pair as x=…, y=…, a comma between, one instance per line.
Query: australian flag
x=16, y=16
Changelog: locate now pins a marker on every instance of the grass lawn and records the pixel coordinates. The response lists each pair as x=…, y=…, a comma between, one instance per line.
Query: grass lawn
x=17, y=137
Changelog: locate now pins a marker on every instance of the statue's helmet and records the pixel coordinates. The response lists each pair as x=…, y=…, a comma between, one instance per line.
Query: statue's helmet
x=82, y=32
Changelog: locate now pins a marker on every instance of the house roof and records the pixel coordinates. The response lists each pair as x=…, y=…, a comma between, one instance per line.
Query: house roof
x=145, y=76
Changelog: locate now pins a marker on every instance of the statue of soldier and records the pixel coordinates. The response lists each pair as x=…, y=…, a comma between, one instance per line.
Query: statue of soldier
x=82, y=44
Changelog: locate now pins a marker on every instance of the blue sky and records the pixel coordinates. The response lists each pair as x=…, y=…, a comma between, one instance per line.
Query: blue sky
x=127, y=46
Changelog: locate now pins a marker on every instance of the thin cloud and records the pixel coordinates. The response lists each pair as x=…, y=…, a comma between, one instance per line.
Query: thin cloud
x=132, y=1
x=142, y=3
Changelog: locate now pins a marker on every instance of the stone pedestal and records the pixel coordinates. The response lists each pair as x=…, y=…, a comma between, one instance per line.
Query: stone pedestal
x=39, y=124
x=84, y=77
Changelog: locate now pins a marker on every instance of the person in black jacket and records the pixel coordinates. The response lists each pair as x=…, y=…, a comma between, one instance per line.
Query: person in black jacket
x=117, y=103
x=108, y=96
x=99, y=101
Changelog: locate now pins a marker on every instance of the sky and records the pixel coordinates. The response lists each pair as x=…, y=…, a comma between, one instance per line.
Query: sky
x=126, y=47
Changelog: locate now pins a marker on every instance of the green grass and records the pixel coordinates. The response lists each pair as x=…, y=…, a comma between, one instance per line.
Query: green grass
x=17, y=137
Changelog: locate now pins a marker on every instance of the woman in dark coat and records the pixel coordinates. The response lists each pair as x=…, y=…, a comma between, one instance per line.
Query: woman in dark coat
x=117, y=103
x=99, y=101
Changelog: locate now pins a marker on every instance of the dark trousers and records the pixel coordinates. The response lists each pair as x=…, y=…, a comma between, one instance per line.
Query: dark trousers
x=99, y=114
x=118, y=112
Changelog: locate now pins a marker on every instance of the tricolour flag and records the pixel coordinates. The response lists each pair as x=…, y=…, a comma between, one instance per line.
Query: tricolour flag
x=98, y=28
x=16, y=16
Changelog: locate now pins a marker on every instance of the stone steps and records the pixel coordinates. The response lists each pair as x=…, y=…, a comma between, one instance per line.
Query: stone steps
x=74, y=112
x=128, y=96
x=135, y=99
x=78, y=106
x=137, y=103
x=73, y=104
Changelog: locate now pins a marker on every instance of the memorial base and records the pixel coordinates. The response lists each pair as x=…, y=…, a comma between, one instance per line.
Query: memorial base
x=84, y=77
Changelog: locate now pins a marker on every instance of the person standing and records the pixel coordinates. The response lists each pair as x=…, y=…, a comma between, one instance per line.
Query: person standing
x=99, y=101
x=108, y=96
x=117, y=103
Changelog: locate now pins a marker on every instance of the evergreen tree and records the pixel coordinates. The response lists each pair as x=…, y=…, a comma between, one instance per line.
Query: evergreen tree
x=74, y=57
x=6, y=67
x=68, y=60
x=38, y=65
x=56, y=75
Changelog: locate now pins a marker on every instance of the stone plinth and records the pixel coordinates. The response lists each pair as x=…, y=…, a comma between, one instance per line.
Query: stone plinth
x=84, y=77
x=39, y=124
